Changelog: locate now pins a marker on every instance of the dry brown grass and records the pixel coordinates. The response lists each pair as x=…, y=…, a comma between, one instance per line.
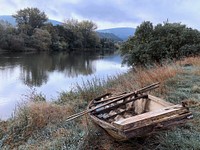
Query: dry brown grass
x=190, y=61
x=33, y=116
x=156, y=74
x=39, y=114
x=141, y=77
x=197, y=72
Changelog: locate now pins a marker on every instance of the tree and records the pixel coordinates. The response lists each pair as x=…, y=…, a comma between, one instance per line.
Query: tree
x=90, y=38
x=164, y=41
x=75, y=36
x=30, y=18
x=81, y=34
x=41, y=39
x=9, y=39
x=106, y=43
x=144, y=32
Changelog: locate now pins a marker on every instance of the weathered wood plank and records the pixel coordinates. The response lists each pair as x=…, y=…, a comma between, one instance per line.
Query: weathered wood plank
x=114, y=115
x=165, y=122
x=149, y=117
x=110, y=98
x=159, y=100
x=106, y=94
x=157, y=126
x=105, y=110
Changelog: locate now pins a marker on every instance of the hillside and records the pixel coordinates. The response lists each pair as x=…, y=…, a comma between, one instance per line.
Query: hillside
x=11, y=20
x=122, y=33
x=110, y=36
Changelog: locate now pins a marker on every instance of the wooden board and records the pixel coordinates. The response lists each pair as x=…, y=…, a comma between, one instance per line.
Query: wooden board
x=149, y=117
x=157, y=103
x=165, y=123
x=160, y=101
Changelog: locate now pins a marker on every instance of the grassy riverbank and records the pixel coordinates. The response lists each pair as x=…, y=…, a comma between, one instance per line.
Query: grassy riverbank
x=38, y=124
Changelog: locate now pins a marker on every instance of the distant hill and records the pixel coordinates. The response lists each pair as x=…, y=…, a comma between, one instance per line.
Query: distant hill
x=122, y=33
x=9, y=19
x=116, y=34
x=12, y=21
x=109, y=36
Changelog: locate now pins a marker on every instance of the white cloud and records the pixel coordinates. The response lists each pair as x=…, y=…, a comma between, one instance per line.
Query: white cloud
x=113, y=13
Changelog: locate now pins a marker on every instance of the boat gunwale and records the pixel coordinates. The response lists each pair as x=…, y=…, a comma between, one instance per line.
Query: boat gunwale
x=105, y=123
x=124, y=134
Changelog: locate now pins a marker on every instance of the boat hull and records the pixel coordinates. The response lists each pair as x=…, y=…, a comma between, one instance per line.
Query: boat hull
x=146, y=123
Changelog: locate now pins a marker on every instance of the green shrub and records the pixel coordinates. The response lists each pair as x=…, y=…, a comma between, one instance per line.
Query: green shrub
x=155, y=44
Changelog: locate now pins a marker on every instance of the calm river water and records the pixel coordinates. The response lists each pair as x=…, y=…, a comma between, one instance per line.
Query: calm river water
x=49, y=74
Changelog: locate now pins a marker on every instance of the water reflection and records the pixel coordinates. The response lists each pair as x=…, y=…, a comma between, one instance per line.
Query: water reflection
x=49, y=73
x=35, y=67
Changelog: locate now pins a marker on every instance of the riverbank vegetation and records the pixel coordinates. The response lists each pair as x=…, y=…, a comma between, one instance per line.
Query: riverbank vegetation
x=155, y=44
x=41, y=124
x=33, y=32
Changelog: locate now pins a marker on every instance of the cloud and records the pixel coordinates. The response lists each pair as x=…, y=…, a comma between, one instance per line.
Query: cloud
x=105, y=11
x=113, y=12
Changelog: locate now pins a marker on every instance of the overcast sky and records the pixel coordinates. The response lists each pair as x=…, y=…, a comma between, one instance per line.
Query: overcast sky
x=113, y=13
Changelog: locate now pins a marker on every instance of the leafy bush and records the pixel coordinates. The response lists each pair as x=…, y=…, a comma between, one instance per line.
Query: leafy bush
x=155, y=44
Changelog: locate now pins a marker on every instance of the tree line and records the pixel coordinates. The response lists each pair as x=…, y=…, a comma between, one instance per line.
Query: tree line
x=167, y=41
x=34, y=32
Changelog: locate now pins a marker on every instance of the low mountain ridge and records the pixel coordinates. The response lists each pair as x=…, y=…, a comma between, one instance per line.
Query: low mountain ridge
x=122, y=33
x=12, y=21
x=110, y=36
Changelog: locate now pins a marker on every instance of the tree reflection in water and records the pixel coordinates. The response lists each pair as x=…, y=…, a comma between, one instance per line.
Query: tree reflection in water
x=49, y=73
x=35, y=67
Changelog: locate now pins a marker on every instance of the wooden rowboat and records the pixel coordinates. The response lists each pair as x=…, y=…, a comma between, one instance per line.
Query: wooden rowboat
x=131, y=115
